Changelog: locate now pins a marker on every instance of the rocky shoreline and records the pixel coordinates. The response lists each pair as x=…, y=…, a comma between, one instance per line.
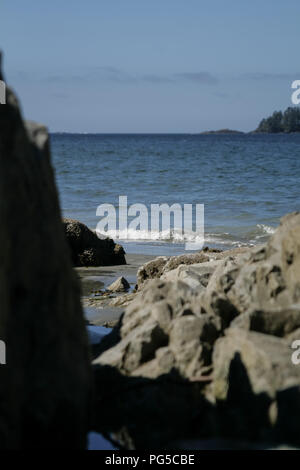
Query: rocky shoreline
x=201, y=346
x=202, y=353
x=204, y=350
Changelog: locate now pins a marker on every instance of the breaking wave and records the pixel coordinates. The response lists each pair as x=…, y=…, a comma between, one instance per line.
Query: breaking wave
x=248, y=236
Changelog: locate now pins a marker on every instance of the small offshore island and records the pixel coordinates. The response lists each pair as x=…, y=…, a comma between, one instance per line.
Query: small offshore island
x=222, y=132
x=286, y=122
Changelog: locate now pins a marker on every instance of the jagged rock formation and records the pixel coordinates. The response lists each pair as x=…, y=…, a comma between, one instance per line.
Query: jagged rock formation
x=160, y=266
x=267, y=279
x=45, y=384
x=87, y=249
x=225, y=332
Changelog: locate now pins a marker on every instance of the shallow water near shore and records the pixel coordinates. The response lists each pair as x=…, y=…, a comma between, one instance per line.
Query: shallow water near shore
x=94, y=279
x=97, y=333
x=246, y=182
x=95, y=440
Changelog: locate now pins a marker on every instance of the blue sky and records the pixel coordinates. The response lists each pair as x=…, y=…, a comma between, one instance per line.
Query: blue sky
x=150, y=65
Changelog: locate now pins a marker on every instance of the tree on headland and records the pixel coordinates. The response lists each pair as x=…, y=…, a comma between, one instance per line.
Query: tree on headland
x=289, y=121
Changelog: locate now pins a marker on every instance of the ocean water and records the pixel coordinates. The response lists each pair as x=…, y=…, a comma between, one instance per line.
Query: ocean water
x=246, y=182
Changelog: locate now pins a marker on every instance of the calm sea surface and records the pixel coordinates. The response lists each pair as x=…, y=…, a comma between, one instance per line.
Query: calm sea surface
x=246, y=182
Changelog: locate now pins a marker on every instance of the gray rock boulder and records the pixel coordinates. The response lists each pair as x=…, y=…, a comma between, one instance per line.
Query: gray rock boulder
x=189, y=259
x=195, y=276
x=266, y=280
x=267, y=360
x=146, y=369
x=120, y=285
x=163, y=329
x=256, y=387
x=154, y=269
x=280, y=322
x=45, y=384
x=151, y=270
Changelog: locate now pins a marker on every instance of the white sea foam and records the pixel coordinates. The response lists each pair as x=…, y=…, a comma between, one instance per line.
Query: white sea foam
x=171, y=236
x=175, y=236
x=265, y=230
x=251, y=236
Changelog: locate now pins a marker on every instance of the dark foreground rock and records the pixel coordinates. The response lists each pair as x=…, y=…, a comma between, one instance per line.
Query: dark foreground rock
x=217, y=333
x=45, y=384
x=87, y=249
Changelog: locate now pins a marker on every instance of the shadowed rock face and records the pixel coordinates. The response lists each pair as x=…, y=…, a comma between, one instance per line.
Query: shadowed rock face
x=45, y=384
x=87, y=249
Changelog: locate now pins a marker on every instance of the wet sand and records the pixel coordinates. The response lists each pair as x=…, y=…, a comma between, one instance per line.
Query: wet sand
x=95, y=279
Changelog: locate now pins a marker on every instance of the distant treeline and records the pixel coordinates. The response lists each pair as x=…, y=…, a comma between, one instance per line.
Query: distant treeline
x=289, y=121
